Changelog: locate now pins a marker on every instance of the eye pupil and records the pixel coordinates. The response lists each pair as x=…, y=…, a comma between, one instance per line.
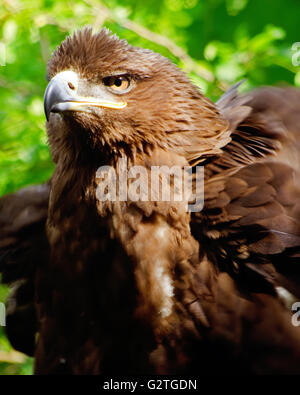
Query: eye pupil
x=118, y=81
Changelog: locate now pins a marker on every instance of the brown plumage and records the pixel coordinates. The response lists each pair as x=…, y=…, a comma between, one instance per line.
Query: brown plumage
x=143, y=287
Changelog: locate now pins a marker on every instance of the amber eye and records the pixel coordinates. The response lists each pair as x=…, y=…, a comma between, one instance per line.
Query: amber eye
x=118, y=83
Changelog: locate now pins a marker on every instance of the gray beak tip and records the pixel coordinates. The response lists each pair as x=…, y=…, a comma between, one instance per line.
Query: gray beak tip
x=55, y=94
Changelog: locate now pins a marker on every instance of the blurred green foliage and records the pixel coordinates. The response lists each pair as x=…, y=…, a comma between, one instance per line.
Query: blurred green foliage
x=217, y=42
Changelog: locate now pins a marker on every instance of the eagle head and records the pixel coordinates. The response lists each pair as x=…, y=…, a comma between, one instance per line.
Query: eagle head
x=112, y=96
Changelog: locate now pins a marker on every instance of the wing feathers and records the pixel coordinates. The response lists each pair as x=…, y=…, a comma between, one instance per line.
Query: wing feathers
x=23, y=245
x=251, y=213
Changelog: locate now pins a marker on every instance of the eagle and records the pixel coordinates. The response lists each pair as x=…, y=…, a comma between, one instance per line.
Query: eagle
x=143, y=286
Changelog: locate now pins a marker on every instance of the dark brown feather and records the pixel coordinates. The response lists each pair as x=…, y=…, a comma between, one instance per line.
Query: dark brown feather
x=23, y=248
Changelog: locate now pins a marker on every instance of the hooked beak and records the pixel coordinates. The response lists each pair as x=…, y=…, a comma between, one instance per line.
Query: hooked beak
x=61, y=95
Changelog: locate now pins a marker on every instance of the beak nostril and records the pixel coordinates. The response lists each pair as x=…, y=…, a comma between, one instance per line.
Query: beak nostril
x=71, y=86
